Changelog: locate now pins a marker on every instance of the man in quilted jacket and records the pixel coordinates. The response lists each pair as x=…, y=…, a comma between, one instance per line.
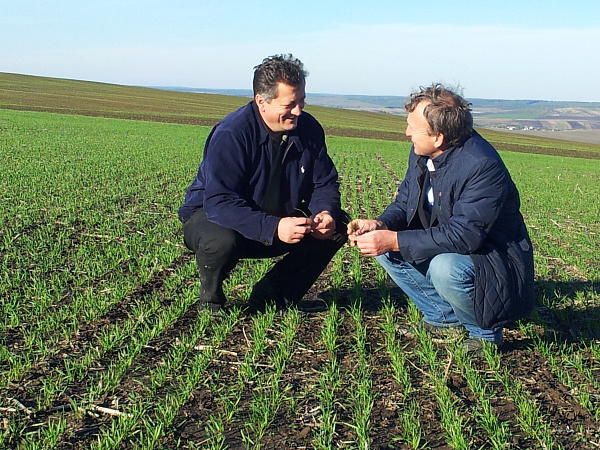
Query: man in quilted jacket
x=454, y=239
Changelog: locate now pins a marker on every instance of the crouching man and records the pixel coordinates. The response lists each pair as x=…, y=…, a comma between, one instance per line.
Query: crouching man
x=454, y=239
x=266, y=187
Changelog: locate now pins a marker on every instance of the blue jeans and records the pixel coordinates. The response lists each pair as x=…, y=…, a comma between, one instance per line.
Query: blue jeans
x=442, y=288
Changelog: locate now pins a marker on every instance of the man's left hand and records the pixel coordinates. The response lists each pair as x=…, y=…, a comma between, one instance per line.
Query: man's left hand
x=377, y=242
x=323, y=226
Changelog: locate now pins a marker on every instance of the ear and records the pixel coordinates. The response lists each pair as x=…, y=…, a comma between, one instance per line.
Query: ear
x=439, y=141
x=260, y=102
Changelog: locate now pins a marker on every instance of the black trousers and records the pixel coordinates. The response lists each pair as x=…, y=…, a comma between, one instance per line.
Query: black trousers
x=219, y=249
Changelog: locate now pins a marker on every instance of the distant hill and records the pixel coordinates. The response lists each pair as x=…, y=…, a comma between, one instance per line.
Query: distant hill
x=175, y=105
x=577, y=121
x=186, y=106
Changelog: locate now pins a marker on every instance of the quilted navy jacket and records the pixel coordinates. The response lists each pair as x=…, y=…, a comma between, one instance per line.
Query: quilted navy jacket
x=477, y=211
x=233, y=176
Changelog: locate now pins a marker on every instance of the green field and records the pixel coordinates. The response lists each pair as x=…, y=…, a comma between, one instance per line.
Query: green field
x=102, y=345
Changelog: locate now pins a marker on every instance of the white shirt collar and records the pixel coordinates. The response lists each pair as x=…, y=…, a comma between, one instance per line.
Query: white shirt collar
x=430, y=165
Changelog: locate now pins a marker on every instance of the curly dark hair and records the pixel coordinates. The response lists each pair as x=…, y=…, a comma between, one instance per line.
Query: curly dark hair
x=447, y=113
x=277, y=69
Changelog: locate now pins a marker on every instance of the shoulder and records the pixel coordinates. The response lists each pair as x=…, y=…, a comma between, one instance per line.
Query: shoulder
x=241, y=124
x=241, y=116
x=476, y=146
x=474, y=155
x=479, y=162
x=307, y=124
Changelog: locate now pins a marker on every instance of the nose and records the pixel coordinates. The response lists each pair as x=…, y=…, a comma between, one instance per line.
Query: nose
x=297, y=110
x=408, y=132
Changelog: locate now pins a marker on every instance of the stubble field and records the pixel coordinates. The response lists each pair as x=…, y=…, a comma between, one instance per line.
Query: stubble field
x=102, y=345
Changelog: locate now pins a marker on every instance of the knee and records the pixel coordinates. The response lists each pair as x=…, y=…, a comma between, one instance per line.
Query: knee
x=449, y=268
x=209, y=239
x=220, y=243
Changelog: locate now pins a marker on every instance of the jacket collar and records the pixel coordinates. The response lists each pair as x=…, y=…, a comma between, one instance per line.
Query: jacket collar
x=264, y=135
x=451, y=152
x=445, y=157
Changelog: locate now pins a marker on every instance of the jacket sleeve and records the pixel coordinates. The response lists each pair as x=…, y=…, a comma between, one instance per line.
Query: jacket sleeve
x=476, y=206
x=227, y=172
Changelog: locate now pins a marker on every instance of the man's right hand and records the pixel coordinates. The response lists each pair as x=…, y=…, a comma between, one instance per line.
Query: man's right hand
x=291, y=230
x=372, y=237
x=359, y=227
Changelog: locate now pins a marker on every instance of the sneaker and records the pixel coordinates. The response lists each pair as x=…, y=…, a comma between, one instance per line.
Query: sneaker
x=474, y=346
x=438, y=334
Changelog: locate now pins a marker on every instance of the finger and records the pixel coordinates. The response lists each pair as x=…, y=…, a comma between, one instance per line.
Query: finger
x=361, y=228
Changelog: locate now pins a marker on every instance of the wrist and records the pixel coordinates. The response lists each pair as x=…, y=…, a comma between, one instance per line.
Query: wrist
x=394, y=241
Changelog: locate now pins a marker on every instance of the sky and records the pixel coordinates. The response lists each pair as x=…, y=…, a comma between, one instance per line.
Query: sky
x=524, y=50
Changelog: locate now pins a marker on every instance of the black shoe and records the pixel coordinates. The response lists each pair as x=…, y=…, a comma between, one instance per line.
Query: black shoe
x=312, y=306
x=211, y=291
x=264, y=295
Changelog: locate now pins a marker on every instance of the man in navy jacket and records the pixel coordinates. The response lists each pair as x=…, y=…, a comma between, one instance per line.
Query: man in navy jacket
x=454, y=239
x=266, y=187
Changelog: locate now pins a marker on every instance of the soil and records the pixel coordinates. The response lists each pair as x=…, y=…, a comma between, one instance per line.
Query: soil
x=294, y=424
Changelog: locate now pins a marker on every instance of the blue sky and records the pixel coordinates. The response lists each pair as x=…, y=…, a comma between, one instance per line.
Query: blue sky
x=542, y=50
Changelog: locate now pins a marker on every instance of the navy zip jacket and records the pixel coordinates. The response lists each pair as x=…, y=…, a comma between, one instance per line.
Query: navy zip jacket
x=476, y=213
x=233, y=176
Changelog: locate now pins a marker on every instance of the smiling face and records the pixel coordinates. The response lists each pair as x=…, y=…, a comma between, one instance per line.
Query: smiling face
x=417, y=128
x=282, y=113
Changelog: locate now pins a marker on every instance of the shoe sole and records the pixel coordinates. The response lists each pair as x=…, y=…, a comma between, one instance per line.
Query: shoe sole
x=312, y=307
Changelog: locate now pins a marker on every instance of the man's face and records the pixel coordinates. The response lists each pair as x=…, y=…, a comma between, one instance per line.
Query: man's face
x=281, y=114
x=418, y=130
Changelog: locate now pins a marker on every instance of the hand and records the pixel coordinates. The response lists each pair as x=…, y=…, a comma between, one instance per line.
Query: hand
x=359, y=227
x=291, y=230
x=377, y=242
x=323, y=226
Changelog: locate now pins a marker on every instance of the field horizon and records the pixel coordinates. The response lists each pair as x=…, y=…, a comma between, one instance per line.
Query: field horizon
x=569, y=121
